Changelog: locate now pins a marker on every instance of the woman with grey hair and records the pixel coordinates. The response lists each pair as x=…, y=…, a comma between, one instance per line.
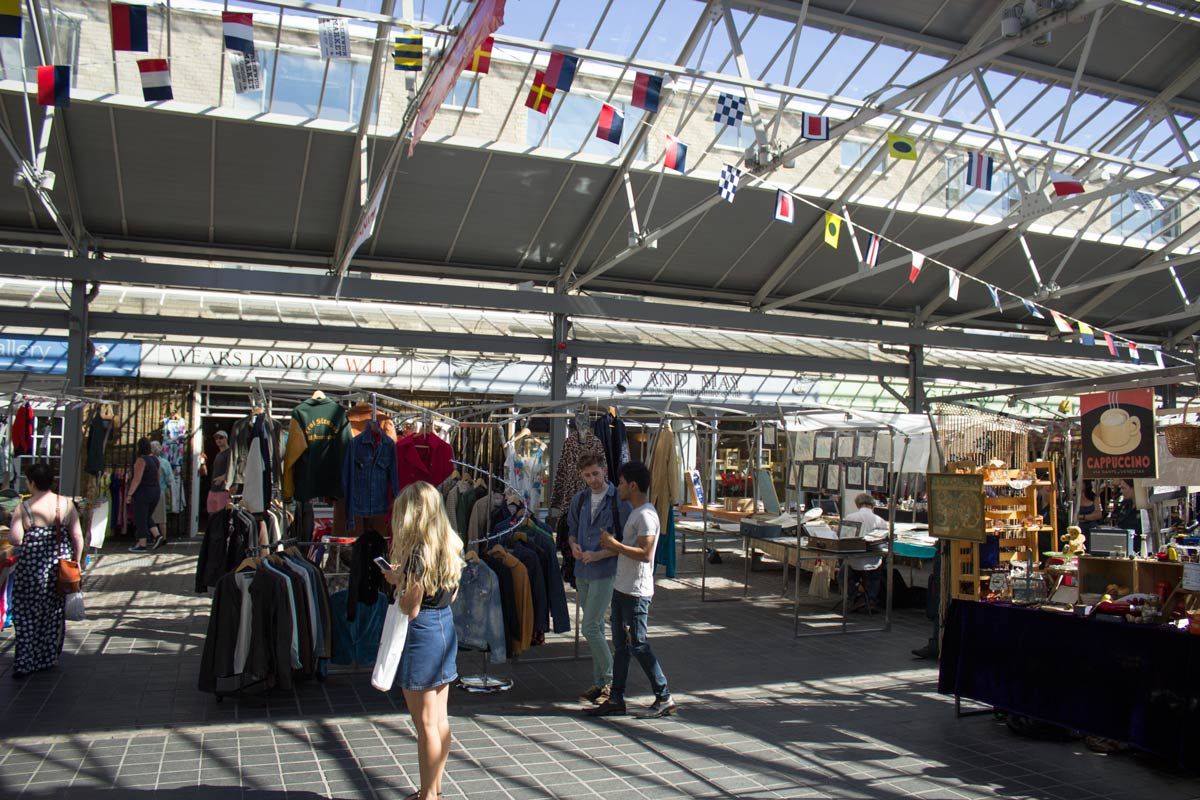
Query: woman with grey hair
x=166, y=482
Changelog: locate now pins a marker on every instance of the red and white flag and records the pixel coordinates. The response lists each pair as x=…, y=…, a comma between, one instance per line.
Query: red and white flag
x=815, y=127
x=1061, y=322
x=873, y=248
x=918, y=261
x=785, y=207
x=1134, y=355
x=1112, y=345
x=1065, y=185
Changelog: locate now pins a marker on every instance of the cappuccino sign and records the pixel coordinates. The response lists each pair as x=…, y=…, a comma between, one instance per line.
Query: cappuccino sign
x=1118, y=434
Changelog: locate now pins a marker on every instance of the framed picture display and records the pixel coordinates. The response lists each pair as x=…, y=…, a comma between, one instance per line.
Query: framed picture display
x=845, y=446
x=849, y=529
x=877, y=476
x=803, y=445
x=823, y=447
x=810, y=477
x=956, y=507
x=833, y=477
x=854, y=476
x=883, y=448
x=864, y=446
x=793, y=479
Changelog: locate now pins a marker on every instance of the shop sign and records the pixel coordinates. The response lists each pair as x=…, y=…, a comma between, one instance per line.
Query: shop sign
x=1118, y=434
x=47, y=355
x=608, y=381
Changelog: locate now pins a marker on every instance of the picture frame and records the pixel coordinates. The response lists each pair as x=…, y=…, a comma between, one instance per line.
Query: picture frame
x=845, y=446
x=849, y=529
x=810, y=477
x=823, y=447
x=864, y=446
x=803, y=446
x=793, y=479
x=877, y=476
x=833, y=477
x=956, y=507
x=854, y=477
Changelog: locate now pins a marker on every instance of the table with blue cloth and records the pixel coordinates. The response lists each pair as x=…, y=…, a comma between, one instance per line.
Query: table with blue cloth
x=1134, y=683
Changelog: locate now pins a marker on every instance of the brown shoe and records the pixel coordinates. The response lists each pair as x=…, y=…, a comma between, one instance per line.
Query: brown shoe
x=593, y=694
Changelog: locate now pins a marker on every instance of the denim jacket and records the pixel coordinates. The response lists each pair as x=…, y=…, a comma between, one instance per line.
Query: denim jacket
x=478, y=617
x=586, y=530
x=369, y=475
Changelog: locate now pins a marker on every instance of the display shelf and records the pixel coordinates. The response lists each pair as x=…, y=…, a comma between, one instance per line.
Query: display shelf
x=1140, y=575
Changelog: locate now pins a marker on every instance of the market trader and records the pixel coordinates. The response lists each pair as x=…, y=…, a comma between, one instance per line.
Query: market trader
x=590, y=512
x=867, y=566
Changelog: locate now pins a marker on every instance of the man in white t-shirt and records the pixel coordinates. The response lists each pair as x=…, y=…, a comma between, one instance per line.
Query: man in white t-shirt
x=633, y=589
x=868, y=565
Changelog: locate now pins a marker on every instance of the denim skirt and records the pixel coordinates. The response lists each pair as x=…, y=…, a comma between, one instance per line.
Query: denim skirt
x=430, y=651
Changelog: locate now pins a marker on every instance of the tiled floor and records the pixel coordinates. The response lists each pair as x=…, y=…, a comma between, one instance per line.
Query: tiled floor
x=764, y=716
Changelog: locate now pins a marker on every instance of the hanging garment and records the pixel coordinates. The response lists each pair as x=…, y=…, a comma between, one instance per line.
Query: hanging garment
x=99, y=430
x=610, y=430
x=537, y=587
x=369, y=476
x=522, y=600
x=665, y=469
x=8, y=563
x=366, y=579
x=22, y=431
x=362, y=414
x=357, y=641
x=229, y=536
x=664, y=553
x=524, y=475
x=508, y=602
x=37, y=605
x=423, y=457
x=478, y=613
x=316, y=441
x=542, y=543
x=254, y=460
x=237, y=657
x=174, y=440
x=567, y=481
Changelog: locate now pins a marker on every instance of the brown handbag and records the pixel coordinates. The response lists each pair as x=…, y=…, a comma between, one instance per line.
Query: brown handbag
x=68, y=577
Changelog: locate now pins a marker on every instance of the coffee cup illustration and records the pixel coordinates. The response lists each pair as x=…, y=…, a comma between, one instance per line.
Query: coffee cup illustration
x=1118, y=431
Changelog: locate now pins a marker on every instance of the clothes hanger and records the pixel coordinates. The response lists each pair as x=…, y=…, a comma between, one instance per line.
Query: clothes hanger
x=318, y=395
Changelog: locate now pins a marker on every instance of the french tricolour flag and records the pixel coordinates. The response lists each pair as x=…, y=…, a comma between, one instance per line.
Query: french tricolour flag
x=815, y=127
x=873, y=250
x=785, y=207
x=1065, y=185
x=610, y=125
x=676, y=156
x=130, y=30
x=239, y=32
x=979, y=171
x=156, y=79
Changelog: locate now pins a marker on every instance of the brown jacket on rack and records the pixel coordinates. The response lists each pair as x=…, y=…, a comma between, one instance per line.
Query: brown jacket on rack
x=522, y=598
x=664, y=472
x=360, y=415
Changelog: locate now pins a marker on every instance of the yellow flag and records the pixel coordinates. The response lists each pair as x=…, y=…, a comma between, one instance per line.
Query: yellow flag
x=833, y=229
x=904, y=147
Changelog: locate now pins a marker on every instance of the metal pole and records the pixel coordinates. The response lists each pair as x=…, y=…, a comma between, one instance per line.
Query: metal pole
x=77, y=358
x=558, y=390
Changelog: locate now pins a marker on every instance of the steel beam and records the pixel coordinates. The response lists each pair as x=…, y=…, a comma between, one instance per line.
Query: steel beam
x=1157, y=377
x=77, y=358
x=889, y=106
x=298, y=284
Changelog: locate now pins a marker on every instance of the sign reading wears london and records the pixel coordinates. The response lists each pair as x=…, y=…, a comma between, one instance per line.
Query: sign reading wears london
x=1118, y=434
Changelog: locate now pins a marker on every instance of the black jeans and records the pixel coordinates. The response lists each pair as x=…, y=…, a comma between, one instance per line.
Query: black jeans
x=143, y=508
x=629, y=618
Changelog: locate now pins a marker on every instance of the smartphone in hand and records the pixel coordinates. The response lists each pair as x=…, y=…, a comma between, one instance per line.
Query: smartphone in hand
x=383, y=563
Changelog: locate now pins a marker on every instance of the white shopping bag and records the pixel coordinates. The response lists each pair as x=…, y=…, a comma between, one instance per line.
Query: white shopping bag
x=821, y=575
x=391, y=647
x=73, y=607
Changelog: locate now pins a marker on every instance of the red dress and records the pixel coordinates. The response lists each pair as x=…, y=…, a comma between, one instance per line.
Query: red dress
x=22, y=432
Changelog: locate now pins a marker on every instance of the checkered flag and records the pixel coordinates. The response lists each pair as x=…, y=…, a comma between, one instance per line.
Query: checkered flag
x=730, y=109
x=727, y=185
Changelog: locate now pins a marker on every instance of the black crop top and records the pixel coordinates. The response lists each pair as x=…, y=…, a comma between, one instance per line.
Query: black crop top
x=416, y=568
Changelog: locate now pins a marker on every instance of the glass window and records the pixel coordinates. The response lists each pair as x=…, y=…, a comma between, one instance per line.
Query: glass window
x=854, y=155
x=574, y=122
x=1144, y=216
x=739, y=136
x=465, y=94
x=1003, y=197
x=297, y=87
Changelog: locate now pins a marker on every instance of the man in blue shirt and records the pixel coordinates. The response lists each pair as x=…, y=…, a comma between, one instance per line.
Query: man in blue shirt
x=590, y=512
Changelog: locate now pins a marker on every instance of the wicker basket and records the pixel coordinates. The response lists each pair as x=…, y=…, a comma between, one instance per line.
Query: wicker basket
x=1183, y=438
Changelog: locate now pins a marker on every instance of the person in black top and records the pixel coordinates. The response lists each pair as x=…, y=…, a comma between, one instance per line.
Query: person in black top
x=144, y=493
x=426, y=565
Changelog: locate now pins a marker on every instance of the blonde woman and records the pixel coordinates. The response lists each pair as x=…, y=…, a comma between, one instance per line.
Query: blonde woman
x=426, y=565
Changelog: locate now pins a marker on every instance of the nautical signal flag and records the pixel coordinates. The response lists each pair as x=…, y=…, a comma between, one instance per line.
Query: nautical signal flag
x=156, y=79
x=239, y=31
x=129, y=27
x=727, y=184
x=1158, y=359
x=560, y=73
x=979, y=171
x=611, y=124
x=785, y=207
x=904, y=147
x=953, y=281
x=54, y=86
x=406, y=52
x=995, y=293
x=10, y=19
x=873, y=248
x=1112, y=346
x=481, y=61
x=1061, y=322
x=647, y=91
x=676, y=155
x=918, y=261
x=1032, y=309
x=1065, y=185
x=730, y=109
x=540, y=94
x=1134, y=355
x=814, y=127
x=1087, y=336
x=833, y=229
